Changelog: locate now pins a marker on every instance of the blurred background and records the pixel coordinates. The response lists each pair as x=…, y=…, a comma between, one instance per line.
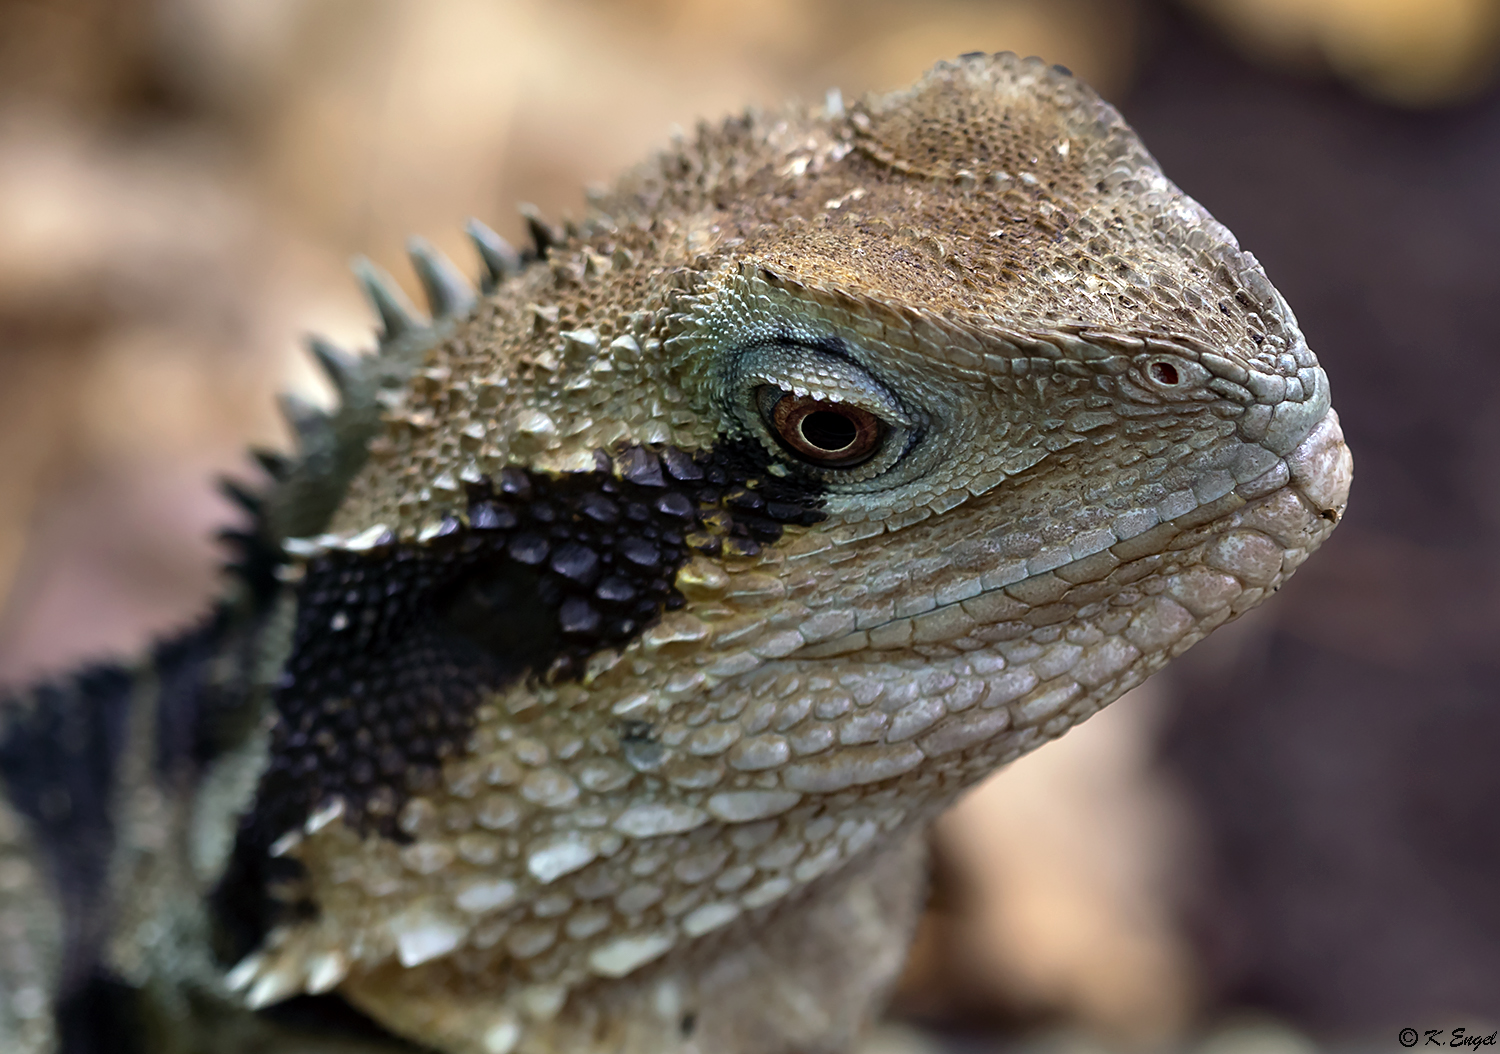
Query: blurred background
x=1290, y=842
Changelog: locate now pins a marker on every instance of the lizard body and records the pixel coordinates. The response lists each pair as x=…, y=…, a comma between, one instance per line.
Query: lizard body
x=590, y=676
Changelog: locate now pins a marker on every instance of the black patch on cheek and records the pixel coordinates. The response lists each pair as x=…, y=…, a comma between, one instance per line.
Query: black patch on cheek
x=394, y=648
x=496, y=613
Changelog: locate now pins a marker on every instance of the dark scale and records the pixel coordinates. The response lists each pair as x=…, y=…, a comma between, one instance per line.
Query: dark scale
x=394, y=648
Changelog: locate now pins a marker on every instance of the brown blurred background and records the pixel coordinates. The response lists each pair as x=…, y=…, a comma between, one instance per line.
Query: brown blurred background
x=1294, y=840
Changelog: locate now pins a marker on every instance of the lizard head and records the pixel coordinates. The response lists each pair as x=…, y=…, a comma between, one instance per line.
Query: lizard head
x=836, y=459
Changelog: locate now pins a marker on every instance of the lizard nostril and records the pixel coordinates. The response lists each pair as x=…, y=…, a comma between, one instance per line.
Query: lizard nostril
x=1164, y=373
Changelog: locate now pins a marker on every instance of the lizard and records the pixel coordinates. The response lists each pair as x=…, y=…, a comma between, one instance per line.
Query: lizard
x=587, y=678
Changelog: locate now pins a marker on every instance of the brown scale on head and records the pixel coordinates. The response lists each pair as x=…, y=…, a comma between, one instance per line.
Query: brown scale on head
x=837, y=459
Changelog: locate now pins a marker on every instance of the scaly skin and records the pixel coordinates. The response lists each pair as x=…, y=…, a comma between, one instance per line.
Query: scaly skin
x=603, y=719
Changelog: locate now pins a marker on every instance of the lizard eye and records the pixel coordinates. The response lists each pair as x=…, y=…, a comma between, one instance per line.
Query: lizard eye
x=821, y=432
x=820, y=413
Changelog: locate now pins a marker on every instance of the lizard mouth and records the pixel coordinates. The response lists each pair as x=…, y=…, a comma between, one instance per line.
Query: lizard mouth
x=1295, y=503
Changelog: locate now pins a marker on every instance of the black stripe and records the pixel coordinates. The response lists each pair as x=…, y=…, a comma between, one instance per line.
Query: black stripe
x=102, y=1015
x=59, y=757
x=62, y=746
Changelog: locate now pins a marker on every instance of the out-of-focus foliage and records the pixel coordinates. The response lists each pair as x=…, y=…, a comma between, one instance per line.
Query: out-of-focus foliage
x=1413, y=53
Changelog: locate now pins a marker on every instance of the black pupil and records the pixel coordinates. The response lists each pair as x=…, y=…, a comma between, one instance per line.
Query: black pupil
x=1164, y=372
x=828, y=430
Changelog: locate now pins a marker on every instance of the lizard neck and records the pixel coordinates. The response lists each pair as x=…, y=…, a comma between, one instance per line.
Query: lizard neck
x=118, y=787
x=804, y=974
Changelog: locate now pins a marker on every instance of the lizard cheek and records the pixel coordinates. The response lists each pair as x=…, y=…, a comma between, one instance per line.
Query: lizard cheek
x=396, y=646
